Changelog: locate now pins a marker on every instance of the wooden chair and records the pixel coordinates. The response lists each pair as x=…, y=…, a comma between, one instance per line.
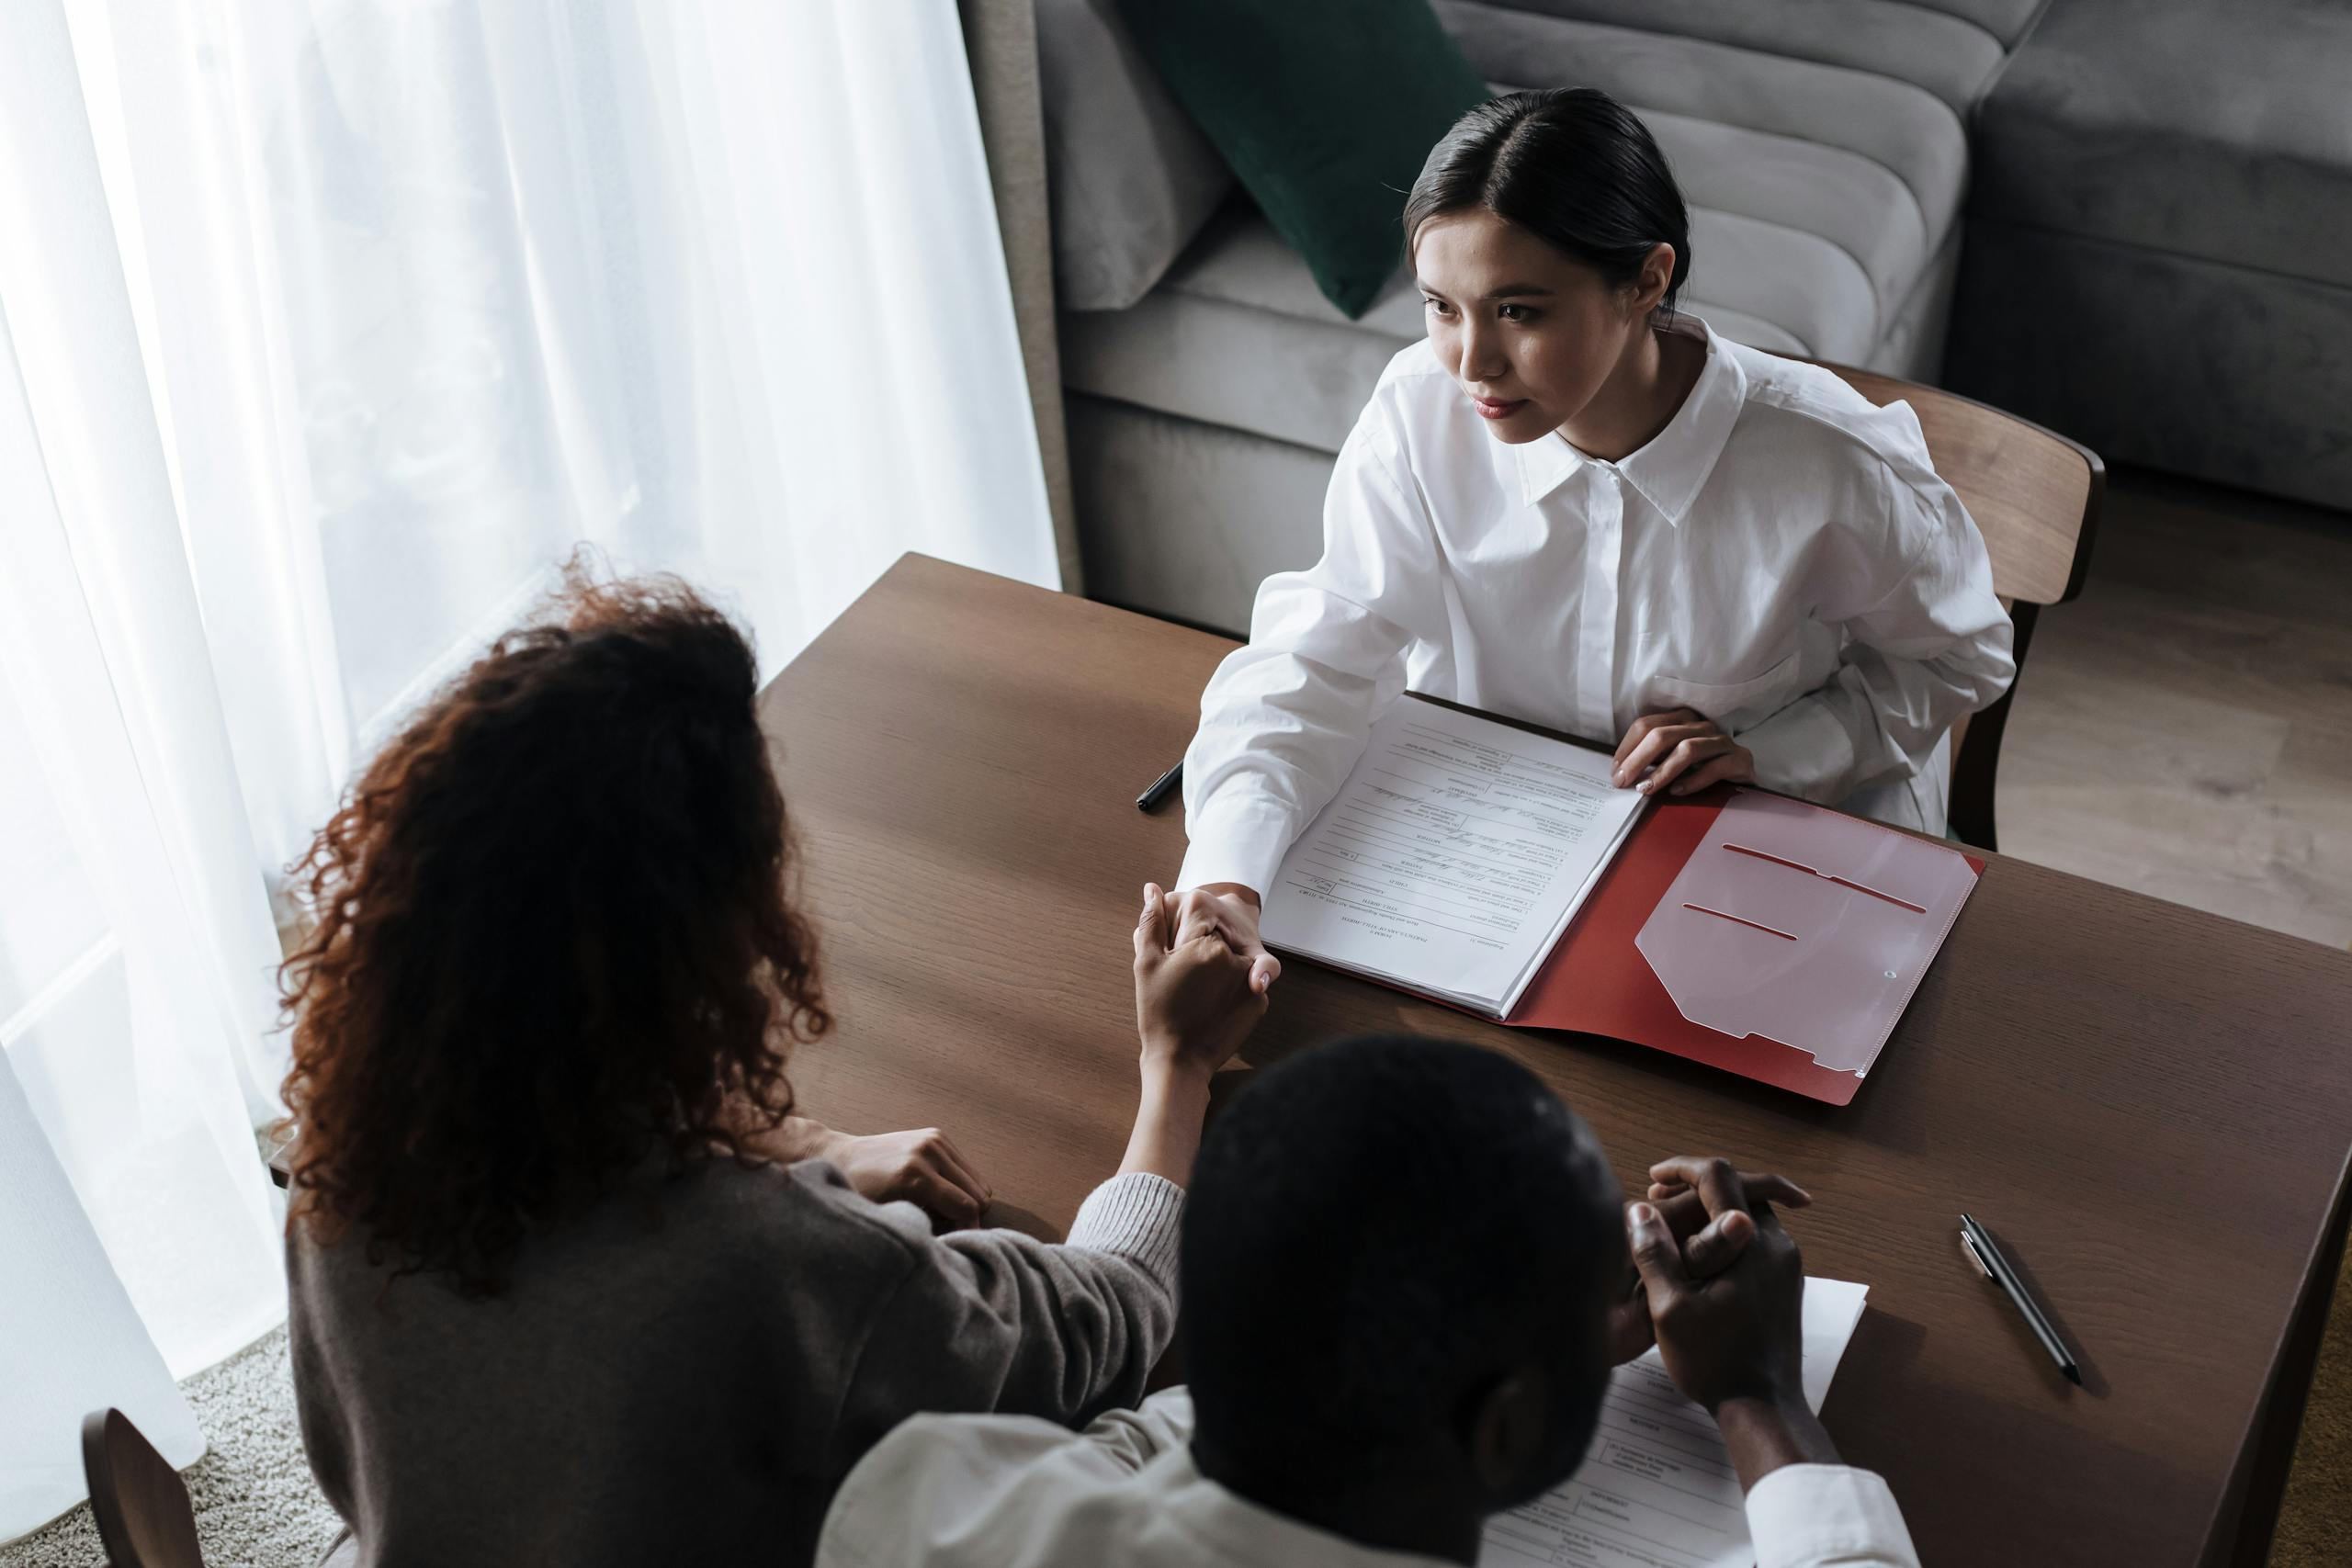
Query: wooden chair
x=142, y=1507
x=2035, y=496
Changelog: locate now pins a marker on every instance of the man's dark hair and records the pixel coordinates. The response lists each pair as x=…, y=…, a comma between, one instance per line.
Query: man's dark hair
x=1375, y=1229
x=1572, y=166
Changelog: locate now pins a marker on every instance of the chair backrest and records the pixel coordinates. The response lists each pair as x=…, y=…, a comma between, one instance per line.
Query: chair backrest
x=142, y=1507
x=2035, y=496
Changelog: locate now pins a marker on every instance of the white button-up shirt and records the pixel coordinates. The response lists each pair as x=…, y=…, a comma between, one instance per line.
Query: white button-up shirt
x=1015, y=1492
x=1781, y=558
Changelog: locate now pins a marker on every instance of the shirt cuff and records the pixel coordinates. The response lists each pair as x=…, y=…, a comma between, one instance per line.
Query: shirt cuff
x=1803, y=750
x=1810, y=1516
x=1241, y=844
x=1134, y=1216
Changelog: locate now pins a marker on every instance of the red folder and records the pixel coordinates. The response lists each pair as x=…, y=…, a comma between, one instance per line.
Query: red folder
x=1597, y=981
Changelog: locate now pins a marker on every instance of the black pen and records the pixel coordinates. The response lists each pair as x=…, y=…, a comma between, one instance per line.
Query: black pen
x=1978, y=1244
x=1162, y=787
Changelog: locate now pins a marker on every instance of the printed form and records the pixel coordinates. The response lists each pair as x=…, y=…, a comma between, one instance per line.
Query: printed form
x=1453, y=857
x=1657, y=1489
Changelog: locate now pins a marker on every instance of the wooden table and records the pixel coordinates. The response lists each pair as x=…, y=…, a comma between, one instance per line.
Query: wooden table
x=2150, y=1106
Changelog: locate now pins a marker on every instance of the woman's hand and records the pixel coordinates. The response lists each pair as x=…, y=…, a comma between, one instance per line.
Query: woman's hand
x=923, y=1167
x=1683, y=752
x=1234, y=909
x=1196, y=995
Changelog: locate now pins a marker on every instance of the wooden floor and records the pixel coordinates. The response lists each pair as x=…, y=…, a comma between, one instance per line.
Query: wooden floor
x=2185, y=728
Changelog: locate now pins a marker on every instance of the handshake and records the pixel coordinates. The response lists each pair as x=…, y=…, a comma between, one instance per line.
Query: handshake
x=1231, y=910
x=1201, y=977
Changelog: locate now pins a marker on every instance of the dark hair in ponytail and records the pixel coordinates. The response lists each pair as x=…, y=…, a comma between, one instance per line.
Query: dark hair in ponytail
x=1572, y=166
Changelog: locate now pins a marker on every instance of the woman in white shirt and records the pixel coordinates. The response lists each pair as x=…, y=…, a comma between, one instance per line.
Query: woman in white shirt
x=1573, y=506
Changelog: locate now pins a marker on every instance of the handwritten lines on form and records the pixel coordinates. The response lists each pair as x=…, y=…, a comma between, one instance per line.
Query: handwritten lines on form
x=1656, y=1487
x=1451, y=859
x=1447, y=832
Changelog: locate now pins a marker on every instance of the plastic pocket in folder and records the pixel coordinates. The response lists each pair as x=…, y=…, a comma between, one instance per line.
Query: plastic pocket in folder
x=1759, y=934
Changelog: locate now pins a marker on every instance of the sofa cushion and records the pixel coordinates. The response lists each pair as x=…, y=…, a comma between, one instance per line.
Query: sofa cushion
x=2005, y=20
x=1325, y=108
x=1132, y=178
x=2218, y=132
x=1916, y=135
x=1810, y=234
x=2182, y=364
x=1856, y=215
x=1949, y=55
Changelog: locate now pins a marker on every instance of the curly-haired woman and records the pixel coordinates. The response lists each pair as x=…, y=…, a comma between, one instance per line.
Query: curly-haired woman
x=571, y=1282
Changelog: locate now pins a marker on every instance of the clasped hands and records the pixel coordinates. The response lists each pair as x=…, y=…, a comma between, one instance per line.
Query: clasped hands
x=1712, y=1280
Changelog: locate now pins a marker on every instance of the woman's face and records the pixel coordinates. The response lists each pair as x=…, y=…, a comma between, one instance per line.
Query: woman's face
x=1531, y=334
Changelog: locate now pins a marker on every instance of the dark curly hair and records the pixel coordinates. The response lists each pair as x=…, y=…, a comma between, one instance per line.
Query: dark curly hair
x=555, y=937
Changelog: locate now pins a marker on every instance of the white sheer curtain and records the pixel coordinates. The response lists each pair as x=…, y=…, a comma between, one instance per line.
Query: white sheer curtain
x=327, y=327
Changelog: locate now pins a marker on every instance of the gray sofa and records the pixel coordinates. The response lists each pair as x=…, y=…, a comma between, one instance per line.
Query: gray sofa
x=1826, y=148
x=2159, y=253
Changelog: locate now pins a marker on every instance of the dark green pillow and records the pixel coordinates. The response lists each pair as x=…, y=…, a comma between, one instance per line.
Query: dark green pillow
x=1325, y=108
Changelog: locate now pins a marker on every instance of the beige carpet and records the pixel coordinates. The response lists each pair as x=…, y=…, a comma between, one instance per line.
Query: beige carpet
x=255, y=1505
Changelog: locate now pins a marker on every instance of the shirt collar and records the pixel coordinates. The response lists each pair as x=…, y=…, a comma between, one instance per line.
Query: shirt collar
x=1677, y=460
x=1242, y=1532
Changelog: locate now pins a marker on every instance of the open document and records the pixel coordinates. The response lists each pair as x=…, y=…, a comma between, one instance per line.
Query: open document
x=1657, y=1488
x=1453, y=857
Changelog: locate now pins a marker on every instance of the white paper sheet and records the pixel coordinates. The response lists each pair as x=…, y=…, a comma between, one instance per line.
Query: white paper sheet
x=1453, y=857
x=1657, y=1488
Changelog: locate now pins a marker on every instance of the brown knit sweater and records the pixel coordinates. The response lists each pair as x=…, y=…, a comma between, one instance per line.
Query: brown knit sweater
x=684, y=1373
